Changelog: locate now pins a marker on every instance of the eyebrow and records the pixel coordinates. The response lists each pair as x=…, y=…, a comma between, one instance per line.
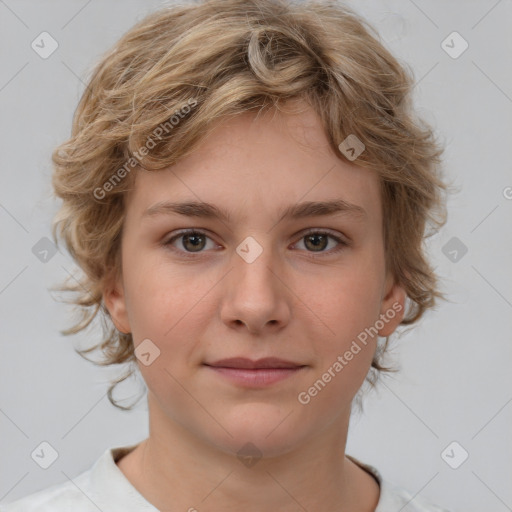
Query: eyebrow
x=294, y=211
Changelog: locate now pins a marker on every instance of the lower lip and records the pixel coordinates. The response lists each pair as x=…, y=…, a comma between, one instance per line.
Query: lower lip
x=255, y=377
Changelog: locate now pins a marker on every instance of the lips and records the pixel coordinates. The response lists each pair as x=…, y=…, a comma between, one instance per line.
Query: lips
x=249, y=364
x=252, y=374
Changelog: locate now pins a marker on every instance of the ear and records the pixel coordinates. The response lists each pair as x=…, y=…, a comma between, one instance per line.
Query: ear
x=392, y=307
x=115, y=302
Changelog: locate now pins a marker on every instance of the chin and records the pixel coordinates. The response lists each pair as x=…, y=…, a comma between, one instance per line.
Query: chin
x=266, y=428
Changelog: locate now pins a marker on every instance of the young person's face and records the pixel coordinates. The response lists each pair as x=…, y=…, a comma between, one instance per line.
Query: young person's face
x=212, y=296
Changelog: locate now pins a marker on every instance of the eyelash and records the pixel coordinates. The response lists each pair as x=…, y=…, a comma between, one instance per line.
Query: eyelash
x=343, y=243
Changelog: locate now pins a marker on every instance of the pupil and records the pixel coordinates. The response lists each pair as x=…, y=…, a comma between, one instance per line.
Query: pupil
x=316, y=237
x=196, y=237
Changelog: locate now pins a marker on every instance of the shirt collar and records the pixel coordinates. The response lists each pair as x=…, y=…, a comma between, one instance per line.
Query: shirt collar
x=114, y=491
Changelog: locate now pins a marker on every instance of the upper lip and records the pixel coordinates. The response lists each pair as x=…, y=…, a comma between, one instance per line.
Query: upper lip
x=243, y=362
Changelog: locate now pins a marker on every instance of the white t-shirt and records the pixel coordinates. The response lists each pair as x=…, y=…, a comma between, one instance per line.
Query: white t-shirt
x=104, y=487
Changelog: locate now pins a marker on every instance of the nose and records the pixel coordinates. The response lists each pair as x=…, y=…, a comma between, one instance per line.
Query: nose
x=255, y=295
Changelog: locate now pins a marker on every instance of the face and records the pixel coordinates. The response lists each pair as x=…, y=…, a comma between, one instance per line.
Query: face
x=255, y=284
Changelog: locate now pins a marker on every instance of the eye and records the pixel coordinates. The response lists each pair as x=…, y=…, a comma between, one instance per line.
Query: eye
x=192, y=241
x=188, y=242
x=318, y=240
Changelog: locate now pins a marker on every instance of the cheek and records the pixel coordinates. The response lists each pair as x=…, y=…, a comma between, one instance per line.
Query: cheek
x=342, y=310
x=161, y=298
x=170, y=309
x=345, y=304
x=344, y=360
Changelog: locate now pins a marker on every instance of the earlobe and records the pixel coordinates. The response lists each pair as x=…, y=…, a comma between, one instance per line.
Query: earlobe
x=114, y=299
x=392, y=309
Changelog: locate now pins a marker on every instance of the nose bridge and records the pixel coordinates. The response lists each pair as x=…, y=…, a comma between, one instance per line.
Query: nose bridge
x=254, y=259
x=255, y=296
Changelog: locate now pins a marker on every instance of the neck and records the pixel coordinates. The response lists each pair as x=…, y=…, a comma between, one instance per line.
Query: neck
x=176, y=470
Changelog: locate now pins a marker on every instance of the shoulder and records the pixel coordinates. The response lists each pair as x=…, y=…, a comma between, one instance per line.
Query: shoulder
x=102, y=487
x=57, y=498
x=394, y=497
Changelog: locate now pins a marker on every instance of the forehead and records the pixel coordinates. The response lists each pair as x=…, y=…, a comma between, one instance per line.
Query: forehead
x=252, y=164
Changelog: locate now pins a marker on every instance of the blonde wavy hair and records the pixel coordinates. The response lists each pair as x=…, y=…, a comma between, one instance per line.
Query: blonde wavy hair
x=201, y=61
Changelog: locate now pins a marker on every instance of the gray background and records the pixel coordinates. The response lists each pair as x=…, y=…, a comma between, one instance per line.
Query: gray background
x=455, y=383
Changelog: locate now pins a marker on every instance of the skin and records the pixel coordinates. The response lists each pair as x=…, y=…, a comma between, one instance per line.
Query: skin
x=285, y=304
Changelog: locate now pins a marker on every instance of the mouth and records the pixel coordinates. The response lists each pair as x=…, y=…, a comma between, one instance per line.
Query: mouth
x=255, y=373
x=249, y=364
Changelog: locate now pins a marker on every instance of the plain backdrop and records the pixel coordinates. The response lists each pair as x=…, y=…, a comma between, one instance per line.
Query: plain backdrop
x=455, y=379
